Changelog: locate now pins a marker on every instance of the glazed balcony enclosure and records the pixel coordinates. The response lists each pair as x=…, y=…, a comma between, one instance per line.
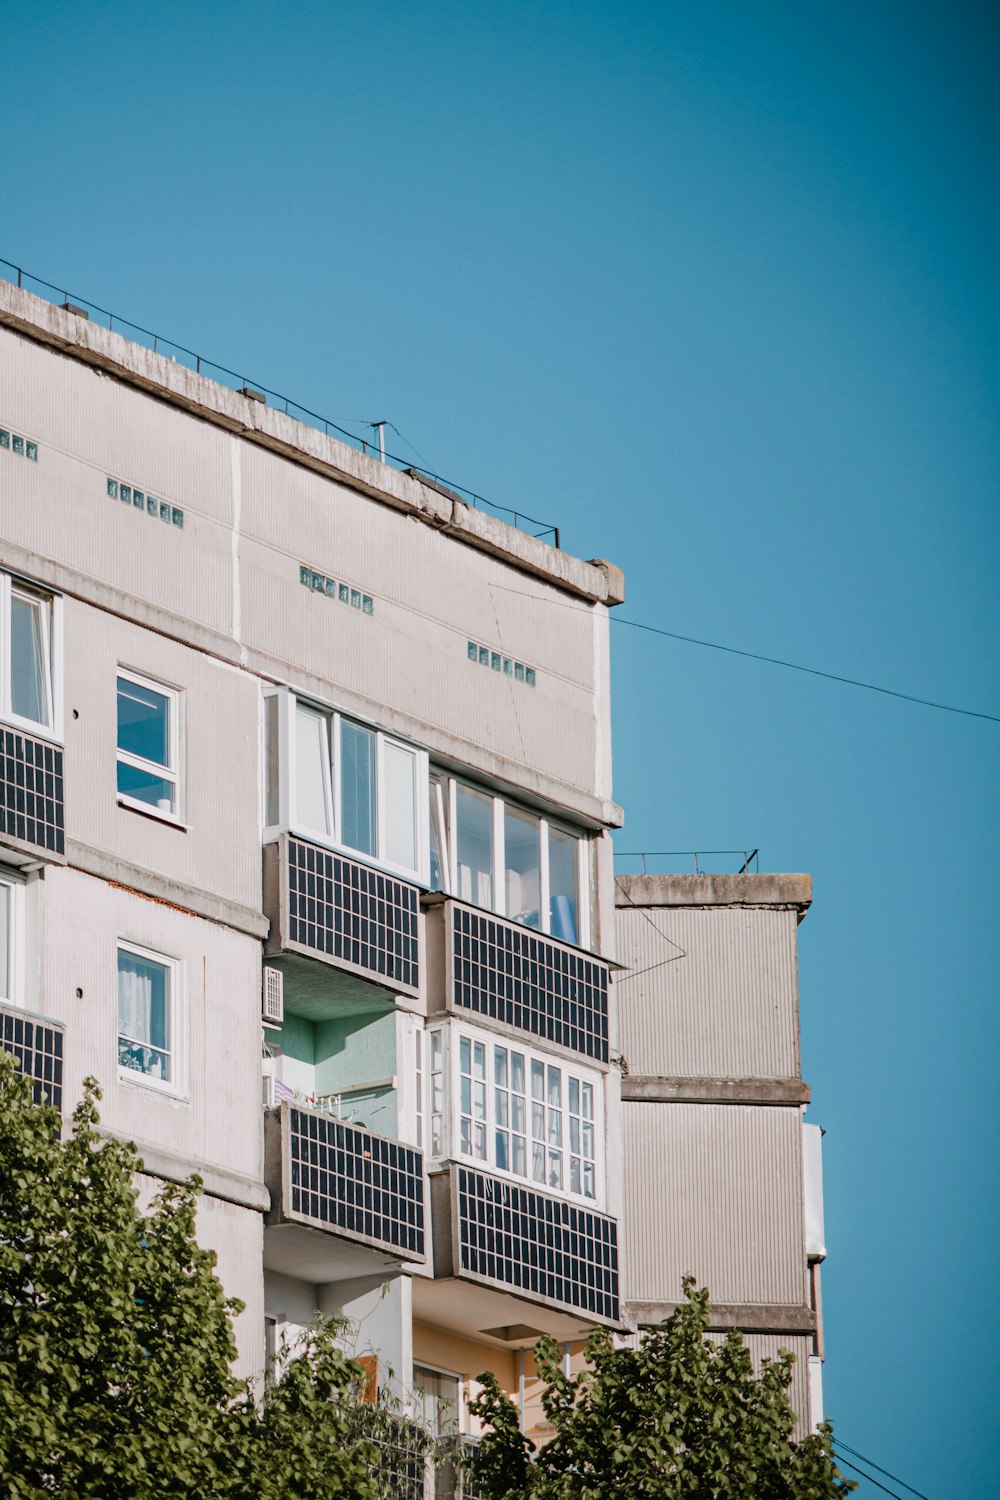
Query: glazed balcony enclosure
x=36, y=1044
x=345, y=1202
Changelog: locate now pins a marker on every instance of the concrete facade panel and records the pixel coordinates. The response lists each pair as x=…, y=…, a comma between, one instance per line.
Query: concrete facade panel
x=713, y=993
x=714, y=1191
x=214, y=1117
x=217, y=848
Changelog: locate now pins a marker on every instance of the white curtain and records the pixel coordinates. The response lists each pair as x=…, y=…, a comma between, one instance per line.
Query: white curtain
x=142, y=1015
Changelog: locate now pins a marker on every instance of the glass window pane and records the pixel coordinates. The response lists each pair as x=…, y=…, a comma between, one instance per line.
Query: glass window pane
x=400, y=780
x=146, y=786
x=503, y=1161
x=144, y=1041
x=474, y=816
x=555, y=1088
x=517, y=1072
x=357, y=787
x=523, y=881
x=537, y=1080
x=517, y=1113
x=29, y=689
x=574, y=1095
x=500, y=1066
x=6, y=908
x=438, y=835
x=563, y=885
x=519, y=1160
x=312, y=767
x=465, y=1053
x=144, y=722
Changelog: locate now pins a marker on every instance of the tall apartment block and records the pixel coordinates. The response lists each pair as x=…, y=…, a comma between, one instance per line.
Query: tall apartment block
x=305, y=816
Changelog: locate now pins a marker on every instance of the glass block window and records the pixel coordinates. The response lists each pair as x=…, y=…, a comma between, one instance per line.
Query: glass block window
x=516, y=1238
x=344, y=1177
x=353, y=914
x=524, y=980
x=37, y=1047
x=148, y=744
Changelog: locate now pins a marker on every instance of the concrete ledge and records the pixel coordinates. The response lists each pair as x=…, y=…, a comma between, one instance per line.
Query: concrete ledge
x=648, y=1089
x=217, y=1182
x=715, y=890
x=747, y=1317
x=34, y=318
x=155, y=887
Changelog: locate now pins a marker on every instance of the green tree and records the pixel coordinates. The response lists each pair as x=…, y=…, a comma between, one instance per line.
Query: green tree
x=678, y=1416
x=116, y=1341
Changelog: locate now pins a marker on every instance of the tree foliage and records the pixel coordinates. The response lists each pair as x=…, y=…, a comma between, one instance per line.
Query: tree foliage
x=680, y=1416
x=116, y=1342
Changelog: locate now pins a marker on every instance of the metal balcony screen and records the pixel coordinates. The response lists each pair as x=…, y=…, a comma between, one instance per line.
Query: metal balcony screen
x=352, y=913
x=31, y=790
x=38, y=1049
x=537, y=1245
x=525, y=980
x=346, y=1178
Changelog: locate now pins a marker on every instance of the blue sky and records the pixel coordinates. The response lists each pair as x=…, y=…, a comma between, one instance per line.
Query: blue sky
x=713, y=288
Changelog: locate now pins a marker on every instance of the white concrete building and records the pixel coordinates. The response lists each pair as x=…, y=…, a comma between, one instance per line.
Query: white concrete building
x=305, y=813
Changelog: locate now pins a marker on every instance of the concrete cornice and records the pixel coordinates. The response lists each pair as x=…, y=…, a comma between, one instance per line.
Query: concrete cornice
x=217, y=1182
x=597, y=582
x=659, y=1090
x=747, y=1317
x=788, y=891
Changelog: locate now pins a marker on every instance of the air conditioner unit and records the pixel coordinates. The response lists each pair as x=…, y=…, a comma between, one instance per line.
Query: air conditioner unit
x=272, y=1000
x=267, y=1090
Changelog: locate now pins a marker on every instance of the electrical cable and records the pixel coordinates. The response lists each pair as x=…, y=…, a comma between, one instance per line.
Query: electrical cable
x=774, y=661
x=838, y=1443
x=894, y=1493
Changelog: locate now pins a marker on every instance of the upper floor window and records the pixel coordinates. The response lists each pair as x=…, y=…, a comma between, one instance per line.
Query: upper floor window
x=492, y=853
x=148, y=744
x=519, y=1112
x=28, y=640
x=147, y=1016
x=342, y=782
x=11, y=891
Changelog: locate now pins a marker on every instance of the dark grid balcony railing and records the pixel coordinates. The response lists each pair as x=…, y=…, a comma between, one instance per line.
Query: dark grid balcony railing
x=345, y=1178
x=38, y=1048
x=539, y=1246
x=31, y=790
x=524, y=979
x=349, y=912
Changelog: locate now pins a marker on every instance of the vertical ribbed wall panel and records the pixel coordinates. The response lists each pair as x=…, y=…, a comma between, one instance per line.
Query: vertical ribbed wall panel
x=714, y=1190
x=714, y=992
x=768, y=1346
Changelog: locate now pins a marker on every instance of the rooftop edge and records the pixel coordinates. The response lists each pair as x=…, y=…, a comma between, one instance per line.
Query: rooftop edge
x=714, y=890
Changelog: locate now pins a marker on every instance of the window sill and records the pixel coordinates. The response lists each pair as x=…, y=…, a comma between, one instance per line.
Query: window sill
x=157, y=814
x=135, y=1079
x=28, y=726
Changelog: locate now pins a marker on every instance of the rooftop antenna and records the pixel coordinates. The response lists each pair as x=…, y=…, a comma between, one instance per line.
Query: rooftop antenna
x=380, y=429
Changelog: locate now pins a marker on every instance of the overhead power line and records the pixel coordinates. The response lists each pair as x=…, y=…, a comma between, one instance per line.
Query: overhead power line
x=894, y=1493
x=837, y=1443
x=774, y=661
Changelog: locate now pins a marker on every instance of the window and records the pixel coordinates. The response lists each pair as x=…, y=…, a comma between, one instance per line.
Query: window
x=345, y=784
x=495, y=854
x=28, y=639
x=520, y=1112
x=147, y=1016
x=11, y=892
x=147, y=744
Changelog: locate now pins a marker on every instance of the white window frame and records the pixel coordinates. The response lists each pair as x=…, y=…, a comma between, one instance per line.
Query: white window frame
x=170, y=773
x=451, y=1034
x=52, y=664
x=287, y=790
x=448, y=853
x=177, y=1085
x=14, y=884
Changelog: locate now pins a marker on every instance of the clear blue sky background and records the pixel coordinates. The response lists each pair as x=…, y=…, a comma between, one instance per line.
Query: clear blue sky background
x=713, y=287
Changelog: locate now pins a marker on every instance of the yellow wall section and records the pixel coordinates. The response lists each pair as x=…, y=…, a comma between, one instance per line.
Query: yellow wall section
x=464, y=1357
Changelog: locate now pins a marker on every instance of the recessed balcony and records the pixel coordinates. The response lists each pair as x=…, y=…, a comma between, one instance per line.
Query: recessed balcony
x=37, y=1046
x=511, y=1262
x=326, y=906
x=345, y=1202
x=484, y=965
x=31, y=793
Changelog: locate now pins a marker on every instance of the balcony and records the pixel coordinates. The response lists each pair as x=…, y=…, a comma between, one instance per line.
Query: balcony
x=508, y=973
x=344, y=1201
x=31, y=793
x=37, y=1046
x=326, y=906
x=512, y=1262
